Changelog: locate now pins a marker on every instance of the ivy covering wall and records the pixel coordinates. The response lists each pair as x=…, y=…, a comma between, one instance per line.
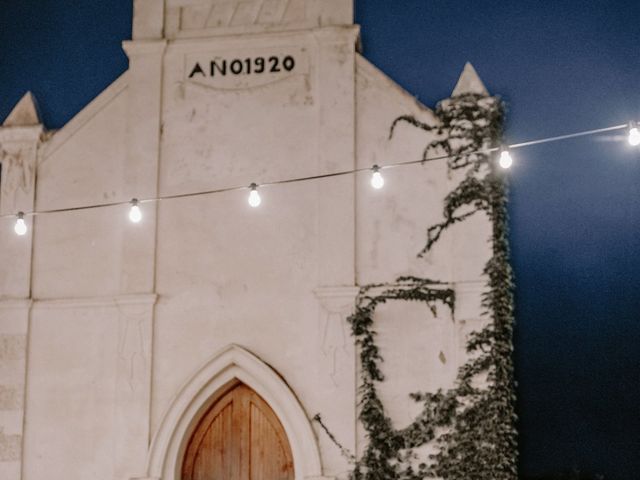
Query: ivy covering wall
x=472, y=425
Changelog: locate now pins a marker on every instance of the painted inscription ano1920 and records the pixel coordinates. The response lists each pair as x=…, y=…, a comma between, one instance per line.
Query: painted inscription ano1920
x=246, y=69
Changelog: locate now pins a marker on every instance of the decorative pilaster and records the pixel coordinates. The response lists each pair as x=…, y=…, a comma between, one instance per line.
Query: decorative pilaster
x=336, y=237
x=148, y=19
x=143, y=152
x=336, y=370
x=14, y=327
x=19, y=140
x=468, y=255
x=137, y=263
x=333, y=332
x=330, y=12
x=336, y=152
x=467, y=315
x=133, y=382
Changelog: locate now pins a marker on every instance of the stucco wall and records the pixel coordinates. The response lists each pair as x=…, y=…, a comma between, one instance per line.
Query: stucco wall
x=227, y=273
x=77, y=254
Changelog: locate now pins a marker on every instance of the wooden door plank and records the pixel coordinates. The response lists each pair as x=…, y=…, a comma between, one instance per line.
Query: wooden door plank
x=238, y=438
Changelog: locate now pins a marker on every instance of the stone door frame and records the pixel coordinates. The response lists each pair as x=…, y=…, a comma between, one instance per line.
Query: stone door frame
x=197, y=395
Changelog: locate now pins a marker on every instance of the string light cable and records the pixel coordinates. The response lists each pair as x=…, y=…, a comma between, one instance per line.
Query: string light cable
x=505, y=160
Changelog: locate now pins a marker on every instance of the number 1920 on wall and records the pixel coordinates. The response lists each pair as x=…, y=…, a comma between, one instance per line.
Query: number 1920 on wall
x=243, y=66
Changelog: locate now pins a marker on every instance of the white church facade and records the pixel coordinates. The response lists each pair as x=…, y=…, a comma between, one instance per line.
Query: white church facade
x=201, y=341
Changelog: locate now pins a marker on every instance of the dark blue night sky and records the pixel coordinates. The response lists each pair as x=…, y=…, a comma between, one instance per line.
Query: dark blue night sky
x=575, y=206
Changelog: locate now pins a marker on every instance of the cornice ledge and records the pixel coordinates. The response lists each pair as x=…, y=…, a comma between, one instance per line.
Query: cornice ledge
x=337, y=34
x=469, y=300
x=337, y=299
x=96, y=302
x=15, y=303
x=31, y=133
x=144, y=47
x=343, y=291
x=469, y=286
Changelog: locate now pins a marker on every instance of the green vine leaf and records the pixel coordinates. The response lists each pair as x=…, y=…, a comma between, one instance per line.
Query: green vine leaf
x=472, y=425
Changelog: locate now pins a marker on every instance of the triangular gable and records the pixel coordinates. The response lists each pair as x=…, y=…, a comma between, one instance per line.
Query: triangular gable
x=24, y=114
x=368, y=72
x=86, y=114
x=469, y=82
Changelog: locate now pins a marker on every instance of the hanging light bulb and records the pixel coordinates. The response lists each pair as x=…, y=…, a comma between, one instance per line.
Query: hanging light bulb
x=634, y=135
x=254, y=196
x=377, y=180
x=20, y=227
x=135, y=214
x=505, y=160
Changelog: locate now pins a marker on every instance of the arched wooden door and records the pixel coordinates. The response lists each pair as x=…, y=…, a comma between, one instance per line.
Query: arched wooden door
x=239, y=438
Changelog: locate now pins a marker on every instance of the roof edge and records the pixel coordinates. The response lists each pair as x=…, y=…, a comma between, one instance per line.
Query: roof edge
x=367, y=69
x=95, y=106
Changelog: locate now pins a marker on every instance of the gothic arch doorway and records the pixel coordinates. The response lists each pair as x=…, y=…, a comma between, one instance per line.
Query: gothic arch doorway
x=230, y=366
x=238, y=438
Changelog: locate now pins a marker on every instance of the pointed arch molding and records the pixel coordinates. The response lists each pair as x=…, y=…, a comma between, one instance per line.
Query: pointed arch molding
x=233, y=362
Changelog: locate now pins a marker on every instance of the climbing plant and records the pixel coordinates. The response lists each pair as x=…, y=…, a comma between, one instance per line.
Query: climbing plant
x=472, y=425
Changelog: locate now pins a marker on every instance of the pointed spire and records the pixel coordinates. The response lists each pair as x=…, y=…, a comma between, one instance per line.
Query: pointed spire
x=24, y=114
x=469, y=82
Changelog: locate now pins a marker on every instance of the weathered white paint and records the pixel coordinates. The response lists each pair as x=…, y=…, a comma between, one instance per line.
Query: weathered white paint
x=123, y=314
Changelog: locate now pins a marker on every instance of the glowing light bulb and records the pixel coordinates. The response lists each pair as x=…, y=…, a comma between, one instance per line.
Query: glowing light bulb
x=634, y=135
x=135, y=214
x=254, y=196
x=505, y=158
x=20, y=227
x=377, y=180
